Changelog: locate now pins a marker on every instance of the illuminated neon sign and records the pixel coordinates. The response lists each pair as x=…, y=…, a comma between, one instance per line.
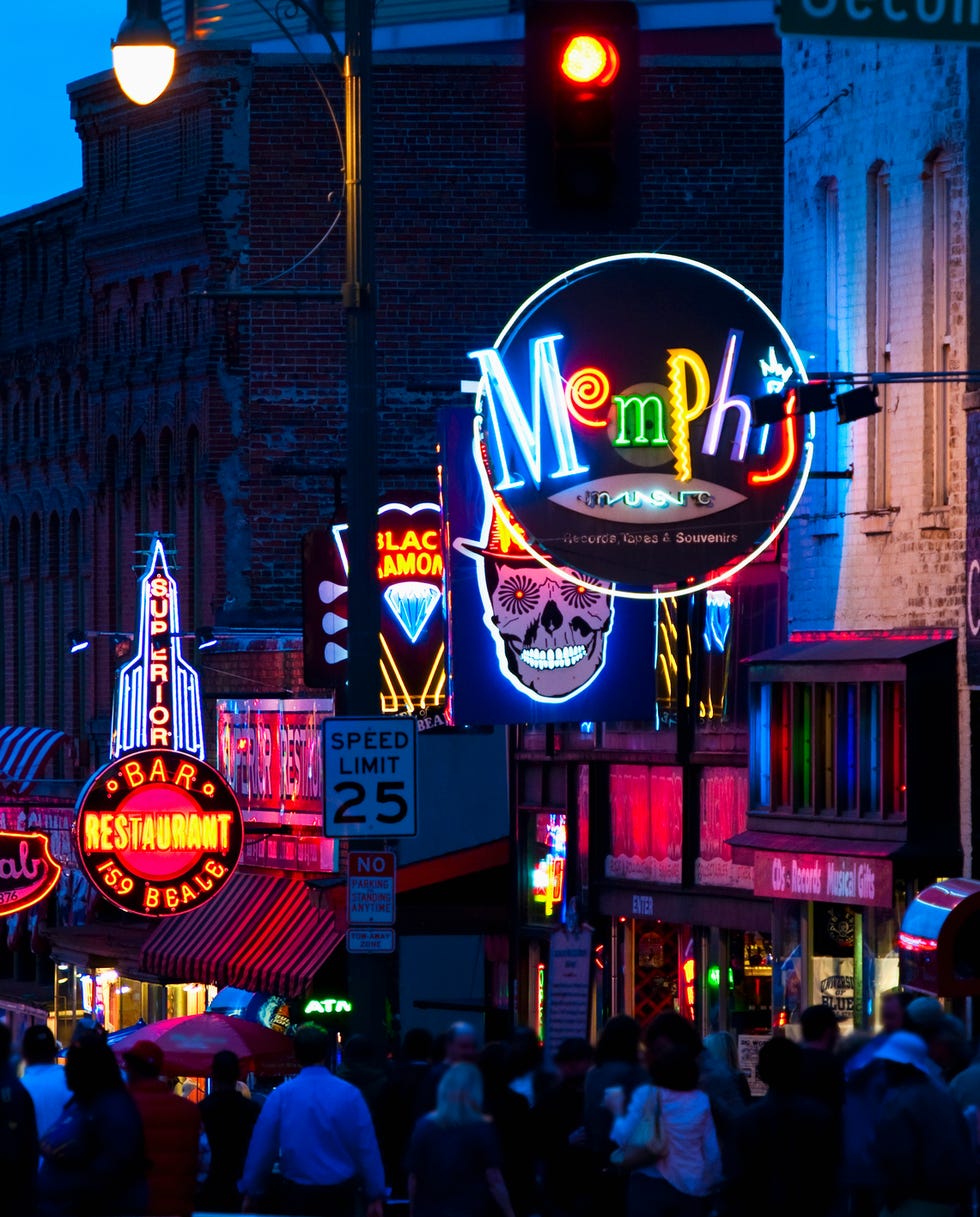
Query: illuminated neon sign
x=158, y=693
x=410, y=576
x=548, y=876
x=28, y=872
x=615, y=425
x=328, y=1005
x=158, y=832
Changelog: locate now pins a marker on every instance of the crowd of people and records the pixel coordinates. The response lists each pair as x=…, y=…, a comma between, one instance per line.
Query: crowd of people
x=653, y=1122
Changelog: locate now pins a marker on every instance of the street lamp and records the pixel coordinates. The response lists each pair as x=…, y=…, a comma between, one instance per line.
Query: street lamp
x=143, y=53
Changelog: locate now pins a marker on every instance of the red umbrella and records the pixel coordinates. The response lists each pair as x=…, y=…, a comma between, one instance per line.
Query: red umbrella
x=189, y=1044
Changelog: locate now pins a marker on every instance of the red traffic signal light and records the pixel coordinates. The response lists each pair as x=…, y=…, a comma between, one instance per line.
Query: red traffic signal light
x=587, y=59
x=582, y=79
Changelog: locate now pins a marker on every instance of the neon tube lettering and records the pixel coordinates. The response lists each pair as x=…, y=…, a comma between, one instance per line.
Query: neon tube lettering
x=682, y=413
x=789, y=431
x=637, y=435
x=503, y=408
x=724, y=402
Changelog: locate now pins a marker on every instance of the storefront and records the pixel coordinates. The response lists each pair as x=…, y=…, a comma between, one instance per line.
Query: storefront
x=852, y=808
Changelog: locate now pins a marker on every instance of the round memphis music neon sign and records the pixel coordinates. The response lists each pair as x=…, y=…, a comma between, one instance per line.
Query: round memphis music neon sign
x=158, y=832
x=615, y=425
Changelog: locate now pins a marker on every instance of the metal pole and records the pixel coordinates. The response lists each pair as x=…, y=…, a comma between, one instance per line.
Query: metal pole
x=367, y=974
x=359, y=298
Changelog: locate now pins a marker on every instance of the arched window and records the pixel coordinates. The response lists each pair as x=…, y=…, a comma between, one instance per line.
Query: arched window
x=113, y=523
x=36, y=628
x=15, y=566
x=76, y=611
x=141, y=505
x=940, y=246
x=166, y=481
x=54, y=643
x=193, y=559
x=879, y=327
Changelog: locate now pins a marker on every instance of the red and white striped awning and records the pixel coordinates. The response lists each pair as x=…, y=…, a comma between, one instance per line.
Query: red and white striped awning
x=260, y=933
x=23, y=753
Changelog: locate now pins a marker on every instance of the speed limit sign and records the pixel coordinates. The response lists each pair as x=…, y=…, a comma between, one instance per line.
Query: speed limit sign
x=369, y=787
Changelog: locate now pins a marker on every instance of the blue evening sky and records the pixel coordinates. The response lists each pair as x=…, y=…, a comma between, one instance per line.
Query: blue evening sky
x=47, y=44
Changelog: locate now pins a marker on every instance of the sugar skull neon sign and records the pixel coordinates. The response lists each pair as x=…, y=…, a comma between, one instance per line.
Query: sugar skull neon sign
x=549, y=623
x=616, y=425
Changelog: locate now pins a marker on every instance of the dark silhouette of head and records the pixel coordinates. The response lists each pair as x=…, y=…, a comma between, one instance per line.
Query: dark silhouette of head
x=91, y=1068
x=525, y=1050
x=496, y=1064
x=574, y=1057
x=669, y=1031
x=819, y=1027
x=619, y=1040
x=38, y=1047
x=144, y=1060
x=675, y=1069
x=461, y=1043
x=225, y=1070
x=310, y=1044
x=780, y=1065
x=417, y=1045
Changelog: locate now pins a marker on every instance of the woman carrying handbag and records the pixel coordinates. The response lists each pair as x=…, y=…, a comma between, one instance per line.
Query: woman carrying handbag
x=668, y=1142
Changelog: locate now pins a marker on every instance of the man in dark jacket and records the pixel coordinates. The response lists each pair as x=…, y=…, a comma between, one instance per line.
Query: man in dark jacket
x=228, y=1119
x=799, y=1137
x=172, y=1129
x=18, y=1138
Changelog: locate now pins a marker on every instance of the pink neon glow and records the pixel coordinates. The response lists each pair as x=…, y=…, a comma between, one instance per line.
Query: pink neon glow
x=871, y=635
x=911, y=942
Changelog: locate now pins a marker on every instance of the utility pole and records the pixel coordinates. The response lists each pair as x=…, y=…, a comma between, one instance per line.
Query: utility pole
x=367, y=974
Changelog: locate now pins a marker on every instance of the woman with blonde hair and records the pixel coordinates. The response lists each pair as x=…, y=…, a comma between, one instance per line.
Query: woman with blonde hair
x=454, y=1157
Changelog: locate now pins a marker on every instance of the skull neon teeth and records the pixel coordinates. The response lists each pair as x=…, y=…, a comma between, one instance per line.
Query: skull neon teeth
x=565, y=657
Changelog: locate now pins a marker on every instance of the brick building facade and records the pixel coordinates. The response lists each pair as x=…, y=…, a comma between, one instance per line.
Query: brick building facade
x=877, y=283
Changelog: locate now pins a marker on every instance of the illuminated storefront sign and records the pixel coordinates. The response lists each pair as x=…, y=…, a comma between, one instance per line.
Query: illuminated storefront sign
x=158, y=832
x=328, y=1005
x=157, y=694
x=826, y=878
x=614, y=425
x=28, y=873
x=269, y=754
x=410, y=577
x=548, y=874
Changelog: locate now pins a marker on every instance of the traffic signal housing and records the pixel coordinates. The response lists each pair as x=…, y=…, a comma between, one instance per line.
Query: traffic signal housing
x=582, y=74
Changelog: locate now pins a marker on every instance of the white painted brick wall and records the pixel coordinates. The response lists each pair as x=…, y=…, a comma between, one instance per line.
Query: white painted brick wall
x=905, y=101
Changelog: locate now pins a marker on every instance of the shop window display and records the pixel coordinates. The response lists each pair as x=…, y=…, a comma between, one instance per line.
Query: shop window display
x=655, y=969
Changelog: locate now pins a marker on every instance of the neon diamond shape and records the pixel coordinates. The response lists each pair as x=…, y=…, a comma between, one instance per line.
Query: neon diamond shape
x=412, y=604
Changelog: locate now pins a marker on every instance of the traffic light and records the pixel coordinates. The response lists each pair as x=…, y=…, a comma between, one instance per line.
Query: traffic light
x=581, y=73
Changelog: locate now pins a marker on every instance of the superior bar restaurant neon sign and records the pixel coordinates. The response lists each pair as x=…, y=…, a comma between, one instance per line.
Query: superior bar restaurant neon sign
x=158, y=832
x=158, y=693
